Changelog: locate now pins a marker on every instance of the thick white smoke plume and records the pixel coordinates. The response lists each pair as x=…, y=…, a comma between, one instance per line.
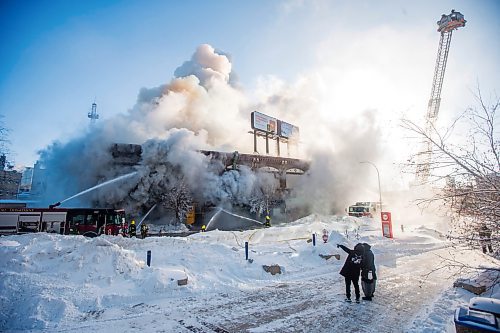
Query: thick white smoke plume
x=203, y=108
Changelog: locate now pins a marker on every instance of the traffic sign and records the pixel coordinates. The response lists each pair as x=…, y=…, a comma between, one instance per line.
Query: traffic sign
x=386, y=224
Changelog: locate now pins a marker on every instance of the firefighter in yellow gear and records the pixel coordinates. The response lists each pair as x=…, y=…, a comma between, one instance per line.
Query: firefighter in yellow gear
x=268, y=221
x=131, y=229
x=203, y=228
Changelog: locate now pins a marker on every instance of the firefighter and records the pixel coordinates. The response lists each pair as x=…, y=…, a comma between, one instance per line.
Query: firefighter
x=131, y=229
x=144, y=230
x=123, y=229
x=203, y=228
x=268, y=220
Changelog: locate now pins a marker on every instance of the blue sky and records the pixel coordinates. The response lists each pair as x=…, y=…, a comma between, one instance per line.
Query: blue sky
x=57, y=56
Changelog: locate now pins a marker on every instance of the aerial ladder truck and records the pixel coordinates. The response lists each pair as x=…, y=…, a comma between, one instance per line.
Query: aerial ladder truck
x=446, y=25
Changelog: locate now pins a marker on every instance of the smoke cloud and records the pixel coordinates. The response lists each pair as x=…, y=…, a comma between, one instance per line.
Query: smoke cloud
x=202, y=107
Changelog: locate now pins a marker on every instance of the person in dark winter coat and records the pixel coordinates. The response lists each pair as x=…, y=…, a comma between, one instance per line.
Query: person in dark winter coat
x=351, y=269
x=485, y=238
x=144, y=230
x=368, y=274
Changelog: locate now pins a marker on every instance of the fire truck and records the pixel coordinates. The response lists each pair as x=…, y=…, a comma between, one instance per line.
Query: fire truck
x=88, y=222
x=360, y=209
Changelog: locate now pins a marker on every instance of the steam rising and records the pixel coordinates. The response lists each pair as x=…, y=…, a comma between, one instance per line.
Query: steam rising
x=203, y=108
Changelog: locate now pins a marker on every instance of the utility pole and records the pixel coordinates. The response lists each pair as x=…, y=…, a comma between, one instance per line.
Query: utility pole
x=378, y=177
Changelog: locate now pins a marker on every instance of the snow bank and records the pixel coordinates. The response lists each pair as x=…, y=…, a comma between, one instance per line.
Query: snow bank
x=50, y=281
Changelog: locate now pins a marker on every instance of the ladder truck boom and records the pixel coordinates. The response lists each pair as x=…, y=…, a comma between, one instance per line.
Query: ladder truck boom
x=446, y=25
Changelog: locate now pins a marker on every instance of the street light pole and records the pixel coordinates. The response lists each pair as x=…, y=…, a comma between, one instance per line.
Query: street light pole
x=378, y=177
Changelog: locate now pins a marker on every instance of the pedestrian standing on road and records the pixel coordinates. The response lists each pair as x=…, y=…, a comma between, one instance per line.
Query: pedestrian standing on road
x=485, y=238
x=351, y=269
x=368, y=275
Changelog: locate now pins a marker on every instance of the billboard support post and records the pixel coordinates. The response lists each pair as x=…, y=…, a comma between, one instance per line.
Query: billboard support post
x=255, y=141
x=267, y=143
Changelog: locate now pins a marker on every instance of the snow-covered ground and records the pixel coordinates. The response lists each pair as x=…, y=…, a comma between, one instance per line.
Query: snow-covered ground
x=60, y=283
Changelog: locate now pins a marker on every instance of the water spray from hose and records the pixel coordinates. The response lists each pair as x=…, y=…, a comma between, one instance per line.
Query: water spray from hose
x=144, y=217
x=94, y=188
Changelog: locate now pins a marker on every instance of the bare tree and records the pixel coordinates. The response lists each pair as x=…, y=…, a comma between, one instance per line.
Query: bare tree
x=177, y=198
x=261, y=201
x=468, y=173
x=4, y=140
x=264, y=195
x=160, y=184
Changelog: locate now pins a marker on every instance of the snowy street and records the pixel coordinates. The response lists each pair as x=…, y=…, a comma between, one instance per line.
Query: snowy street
x=232, y=166
x=68, y=283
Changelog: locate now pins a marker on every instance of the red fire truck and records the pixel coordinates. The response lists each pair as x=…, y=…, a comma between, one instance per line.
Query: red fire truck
x=89, y=222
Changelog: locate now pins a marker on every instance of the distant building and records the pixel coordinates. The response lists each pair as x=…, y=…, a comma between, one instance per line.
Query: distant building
x=25, y=186
x=125, y=153
x=9, y=184
x=38, y=181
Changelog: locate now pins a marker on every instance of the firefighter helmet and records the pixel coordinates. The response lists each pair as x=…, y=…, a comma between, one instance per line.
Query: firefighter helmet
x=133, y=222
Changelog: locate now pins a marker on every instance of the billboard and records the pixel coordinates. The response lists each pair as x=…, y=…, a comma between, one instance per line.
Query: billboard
x=263, y=123
x=286, y=130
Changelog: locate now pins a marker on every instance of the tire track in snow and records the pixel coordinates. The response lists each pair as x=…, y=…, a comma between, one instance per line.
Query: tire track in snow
x=317, y=304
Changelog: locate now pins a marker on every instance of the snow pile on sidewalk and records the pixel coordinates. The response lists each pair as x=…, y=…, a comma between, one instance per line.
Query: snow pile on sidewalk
x=49, y=281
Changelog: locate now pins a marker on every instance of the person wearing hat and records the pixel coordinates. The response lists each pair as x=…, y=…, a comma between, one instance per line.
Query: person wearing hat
x=368, y=273
x=351, y=269
x=485, y=238
x=131, y=229
x=203, y=228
